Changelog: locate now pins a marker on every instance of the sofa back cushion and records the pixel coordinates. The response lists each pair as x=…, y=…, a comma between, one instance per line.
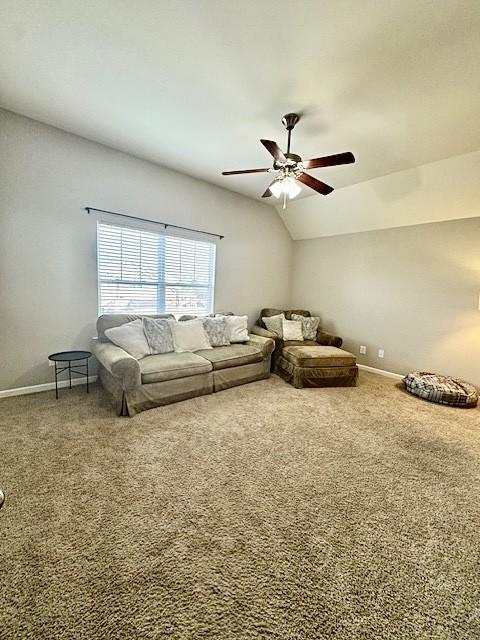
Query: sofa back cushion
x=110, y=320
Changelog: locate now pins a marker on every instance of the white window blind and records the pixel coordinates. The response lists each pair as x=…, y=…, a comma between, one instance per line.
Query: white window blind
x=142, y=271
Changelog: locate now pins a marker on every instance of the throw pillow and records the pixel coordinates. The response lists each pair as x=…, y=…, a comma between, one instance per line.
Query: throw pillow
x=292, y=330
x=189, y=335
x=159, y=335
x=216, y=330
x=237, y=328
x=309, y=326
x=131, y=338
x=274, y=324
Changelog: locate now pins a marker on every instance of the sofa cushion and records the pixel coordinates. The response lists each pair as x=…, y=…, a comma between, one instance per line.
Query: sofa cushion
x=318, y=356
x=232, y=356
x=168, y=366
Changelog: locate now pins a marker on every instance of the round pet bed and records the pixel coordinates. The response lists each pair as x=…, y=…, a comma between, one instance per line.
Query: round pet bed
x=441, y=389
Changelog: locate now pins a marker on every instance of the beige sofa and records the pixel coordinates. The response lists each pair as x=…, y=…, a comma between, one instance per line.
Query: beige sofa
x=137, y=385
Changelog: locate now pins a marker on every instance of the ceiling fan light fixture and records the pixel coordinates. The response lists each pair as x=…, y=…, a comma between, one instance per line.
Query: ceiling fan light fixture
x=285, y=187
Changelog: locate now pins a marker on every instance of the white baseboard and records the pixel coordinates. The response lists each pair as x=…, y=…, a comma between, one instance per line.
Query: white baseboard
x=48, y=386
x=380, y=372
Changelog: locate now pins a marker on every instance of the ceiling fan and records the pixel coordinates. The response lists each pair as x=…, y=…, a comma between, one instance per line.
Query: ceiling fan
x=290, y=167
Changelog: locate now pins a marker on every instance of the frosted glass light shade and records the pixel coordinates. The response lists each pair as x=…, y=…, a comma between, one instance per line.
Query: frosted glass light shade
x=286, y=186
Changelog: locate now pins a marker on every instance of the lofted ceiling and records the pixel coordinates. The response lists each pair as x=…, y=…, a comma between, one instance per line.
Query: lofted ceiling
x=194, y=84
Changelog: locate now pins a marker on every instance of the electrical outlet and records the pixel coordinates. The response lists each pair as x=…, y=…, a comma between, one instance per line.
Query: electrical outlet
x=363, y=349
x=381, y=353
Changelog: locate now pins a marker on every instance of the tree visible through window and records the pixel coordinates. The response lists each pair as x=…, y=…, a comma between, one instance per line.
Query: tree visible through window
x=145, y=272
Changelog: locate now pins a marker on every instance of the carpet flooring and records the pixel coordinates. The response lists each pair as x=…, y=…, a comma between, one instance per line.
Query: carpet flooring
x=259, y=512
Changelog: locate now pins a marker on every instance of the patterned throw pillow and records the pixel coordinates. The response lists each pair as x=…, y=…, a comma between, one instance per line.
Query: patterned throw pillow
x=309, y=326
x=274, y=324
x=159, y=335
x=292, y=330
x=216, y=330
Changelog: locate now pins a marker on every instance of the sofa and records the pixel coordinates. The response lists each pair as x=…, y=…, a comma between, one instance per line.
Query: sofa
x=157, y=380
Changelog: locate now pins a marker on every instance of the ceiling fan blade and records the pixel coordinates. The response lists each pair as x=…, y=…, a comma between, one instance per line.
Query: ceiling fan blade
x=267, y=193
x=315, y=184
x=232, y=173
x=273, y=148
x=329, y=161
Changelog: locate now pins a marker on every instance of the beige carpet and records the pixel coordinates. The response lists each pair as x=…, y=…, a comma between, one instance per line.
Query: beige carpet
x=259, y=512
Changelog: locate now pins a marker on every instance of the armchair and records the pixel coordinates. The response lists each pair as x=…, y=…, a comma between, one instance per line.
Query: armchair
x=323, y=337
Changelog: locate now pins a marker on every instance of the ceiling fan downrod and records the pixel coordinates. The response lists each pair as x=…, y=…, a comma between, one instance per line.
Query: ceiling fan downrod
x=289, y=120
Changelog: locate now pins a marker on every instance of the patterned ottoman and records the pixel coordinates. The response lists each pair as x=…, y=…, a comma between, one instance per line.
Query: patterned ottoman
x=317, y=366
x=441, y=389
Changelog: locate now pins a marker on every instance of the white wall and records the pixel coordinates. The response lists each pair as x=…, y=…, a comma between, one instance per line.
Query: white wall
x=444, y=190
x=48, y=286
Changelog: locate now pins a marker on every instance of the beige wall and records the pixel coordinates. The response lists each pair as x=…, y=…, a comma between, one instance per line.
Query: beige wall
x=413, y=291
x=48, y=285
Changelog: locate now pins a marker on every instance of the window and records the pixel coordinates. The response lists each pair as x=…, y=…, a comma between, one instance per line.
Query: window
x=141, y=271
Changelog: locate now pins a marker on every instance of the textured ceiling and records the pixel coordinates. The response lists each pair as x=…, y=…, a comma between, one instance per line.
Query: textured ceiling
x=194, y=84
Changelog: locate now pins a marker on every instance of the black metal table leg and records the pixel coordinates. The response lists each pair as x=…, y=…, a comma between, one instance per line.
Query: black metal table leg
x=86, y=360
x=70, y=373
x=56, y=382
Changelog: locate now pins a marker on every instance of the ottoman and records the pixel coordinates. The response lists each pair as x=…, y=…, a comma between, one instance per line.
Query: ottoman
x=441, y=389
x=317, y=366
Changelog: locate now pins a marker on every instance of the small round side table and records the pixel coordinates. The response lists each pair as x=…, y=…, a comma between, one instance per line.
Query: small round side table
x=70, y=356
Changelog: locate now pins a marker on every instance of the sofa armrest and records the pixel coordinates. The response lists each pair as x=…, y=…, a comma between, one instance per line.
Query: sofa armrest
x=329, y=340
x=267, y=344
x=119, y=363
x=260, y=331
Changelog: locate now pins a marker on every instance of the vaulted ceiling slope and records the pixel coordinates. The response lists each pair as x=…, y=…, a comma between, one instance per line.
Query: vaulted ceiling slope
x=194, y=84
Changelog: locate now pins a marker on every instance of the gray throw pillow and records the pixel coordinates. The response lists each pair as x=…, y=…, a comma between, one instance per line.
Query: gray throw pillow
x=217, y=331
x=309, y=326
x=274, y=324
x=159, y=335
